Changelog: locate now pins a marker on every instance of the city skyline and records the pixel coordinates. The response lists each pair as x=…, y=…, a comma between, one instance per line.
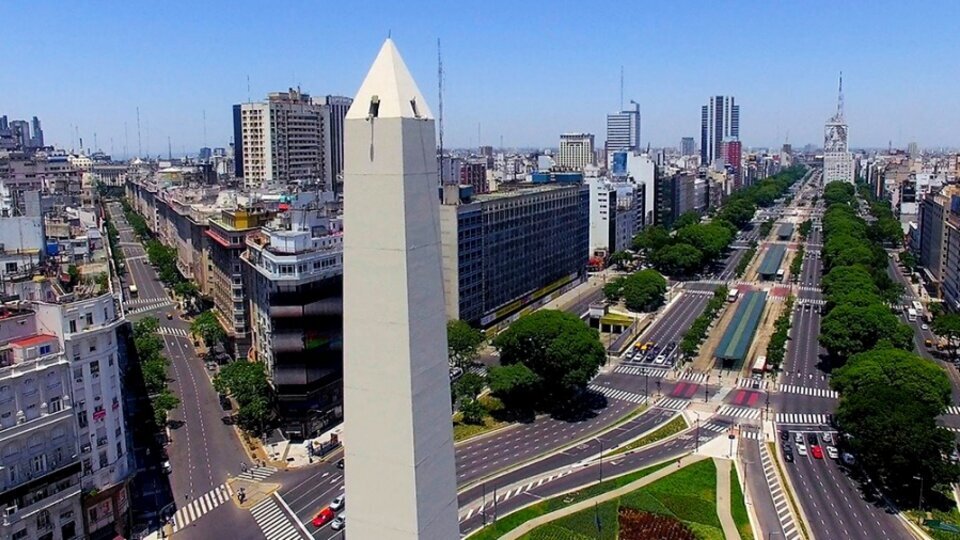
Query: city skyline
x=562, y=78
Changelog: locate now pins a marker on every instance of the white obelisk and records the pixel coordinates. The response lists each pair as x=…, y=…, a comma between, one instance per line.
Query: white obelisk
x=400, y=475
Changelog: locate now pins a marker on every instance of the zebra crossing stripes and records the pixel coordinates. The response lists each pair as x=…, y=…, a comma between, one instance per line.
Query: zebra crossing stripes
x=807, y=391
x=750, y=434
x=258, y=473
x=149, y=307
x=748, y=382
x=953, y=409
x=715, y=427
x=170, y=331
x=780, y=504
x=693, y=376
x=641, y=371
x=142, y=301
x=621, y=395
x=273, y=521
x=739, y=412
x=510, y=493
x=809, y=288
x=186, y=515
x=674, y=404
x=803, y=419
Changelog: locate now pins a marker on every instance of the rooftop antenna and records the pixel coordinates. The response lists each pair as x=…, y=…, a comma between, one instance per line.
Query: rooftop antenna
x=440, y=103
x=621, y=87
x=139, y=145
x=478, y=135
x=96, y=147
x=840, y=99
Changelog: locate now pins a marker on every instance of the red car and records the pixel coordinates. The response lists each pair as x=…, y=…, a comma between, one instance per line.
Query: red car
x=325, y=516
x=816, y=451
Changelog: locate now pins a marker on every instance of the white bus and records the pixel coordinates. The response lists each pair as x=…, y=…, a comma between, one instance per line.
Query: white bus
x=759, y=366
x=732, y=295
x=133, y=291
x=918, y=306
x=911, y=314
x=780, y=275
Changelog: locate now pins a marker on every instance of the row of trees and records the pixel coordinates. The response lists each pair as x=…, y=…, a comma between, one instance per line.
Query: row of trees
x=777, y=347
x=694, y=336
x=744, y=261
x=247, y=383
x=153, y=366
x=113, y=238
x=641, y=291
x=208, y=328
x=797, y=263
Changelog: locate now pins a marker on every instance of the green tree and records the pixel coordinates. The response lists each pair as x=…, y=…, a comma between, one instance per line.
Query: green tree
x=908, y=259
x=247, y=383
x=514, y=384
x=711, y=239
x=651, y=238
x=848, y=330
x=472, y=412
x=896, y=444
x=686, y=219
x=563, y=352
x=619, y=260
x=468, y=386
x=255, y=415
x=154, y=372
x=678, y=259
x=644, y=290
x=805, y=228
x=208, y=328
x=463, y=342
x=163, y=403
x=948, y=326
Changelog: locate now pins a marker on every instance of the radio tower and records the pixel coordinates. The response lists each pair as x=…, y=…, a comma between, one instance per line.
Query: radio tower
x=440, y=104
x=840, y=100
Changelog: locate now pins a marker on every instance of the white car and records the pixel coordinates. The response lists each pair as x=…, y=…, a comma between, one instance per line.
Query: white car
x=340, y=522
x=167, y=469
x=660, y=359
x=924, y=326
x=832, y=452
x=338, y=503
x=801, y=449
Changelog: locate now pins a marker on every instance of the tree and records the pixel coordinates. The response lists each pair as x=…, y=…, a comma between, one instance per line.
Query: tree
x=514, y=384
x=908, y=259
x=619, y=260
x=678, y=259
x=711, y=239
x=163, y=403
x=186, y=289
x=948, y=326
x=463, y=342
x=247, y=383
x=254, y=415
x=644, y=290
x=686, y=219
x=651, y=238
x=472, y=412
x=562, y=351
x=848, y=330
x=154, y=372
x=805, y=228
x=208, y=328
x=468, y=386
x=895, y=444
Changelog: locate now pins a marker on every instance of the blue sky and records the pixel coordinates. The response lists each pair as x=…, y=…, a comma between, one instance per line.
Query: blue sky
x=525, y=71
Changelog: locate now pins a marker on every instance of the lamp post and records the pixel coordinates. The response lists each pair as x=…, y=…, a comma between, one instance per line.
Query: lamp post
x=600, y=442
x=697, y=439
x=920, y=498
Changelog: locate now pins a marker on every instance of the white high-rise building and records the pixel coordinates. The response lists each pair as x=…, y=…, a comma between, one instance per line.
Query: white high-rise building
x=402, y=480
x=837, y=159
x=576, y=151
x=286, y=139
x=719, y=121
x=623, y=131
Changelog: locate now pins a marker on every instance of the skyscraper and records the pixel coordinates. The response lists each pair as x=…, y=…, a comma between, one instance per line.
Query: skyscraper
x=237, y=141
x=576, y=150
x=402, y=481
x=719, y=120
x=36, y=140
x=623, y=131
x=21, y=133
x=688, y=146
x=338, y=106
x=837, y=159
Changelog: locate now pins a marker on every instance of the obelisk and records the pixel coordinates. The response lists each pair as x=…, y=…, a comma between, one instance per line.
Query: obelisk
x=400, y=474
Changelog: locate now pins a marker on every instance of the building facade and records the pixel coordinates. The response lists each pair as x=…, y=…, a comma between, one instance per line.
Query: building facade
x=838, y=164
x=576, y=151
x=613, y=216
x=338, y=107
x=688, y=146
x=623, y=131
x=507, y=250
x=719, y=120
x=285, y=139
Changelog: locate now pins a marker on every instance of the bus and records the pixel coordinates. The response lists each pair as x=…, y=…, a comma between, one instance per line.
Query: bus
x=918, y=306
x=911, y=314
x=759, y=366
x=780, y=274
x=133, y=291
x=732, y=295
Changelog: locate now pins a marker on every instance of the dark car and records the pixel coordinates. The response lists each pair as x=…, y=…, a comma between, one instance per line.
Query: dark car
x=788, y=456
x=812, y=438
x=340, y=464
x=784, y=435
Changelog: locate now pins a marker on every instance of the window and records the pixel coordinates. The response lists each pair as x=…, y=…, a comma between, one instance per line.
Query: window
x=20, y=535
x=93, y=345
x=11, y=267
x=82, y=419
x=94, y=367
x=103, y=459
x=39, y=463
x=45, y=349
x=73, y=326
x=89, y=318
x=110, y=360
x=55, y=405
x=85, y=448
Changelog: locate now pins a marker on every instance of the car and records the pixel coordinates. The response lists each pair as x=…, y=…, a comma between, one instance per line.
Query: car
x=337, y=504
x=455, y=373
x=784, y=435
x=788, y=456
x=340, y=464
x=924, y=326
x=340, y=522
x=801, y=449
x=323, y=517
x=827, y=438
x=812, y=438
x=169, y=316
x=798, y=437
x=660, y=359
x=816, y=451
x=832, y=452
x=848, y=458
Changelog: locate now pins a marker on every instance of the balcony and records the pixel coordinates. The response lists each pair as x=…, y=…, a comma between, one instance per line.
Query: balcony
x=41, y=423
x=41, y=492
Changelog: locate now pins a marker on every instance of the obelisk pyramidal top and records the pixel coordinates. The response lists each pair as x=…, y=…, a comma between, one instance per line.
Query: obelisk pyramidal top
x=400, y=475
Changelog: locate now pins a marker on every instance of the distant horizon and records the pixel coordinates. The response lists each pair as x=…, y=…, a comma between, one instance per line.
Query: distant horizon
x=86, y=69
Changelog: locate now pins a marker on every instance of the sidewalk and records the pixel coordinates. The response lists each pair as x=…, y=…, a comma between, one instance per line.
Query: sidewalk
x=730, y=531
x=589, y=503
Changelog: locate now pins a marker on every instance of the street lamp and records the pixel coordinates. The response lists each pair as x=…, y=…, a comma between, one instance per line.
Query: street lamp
x=920, y=499
x=696, y=441
x=706, y=389
x=600, y=442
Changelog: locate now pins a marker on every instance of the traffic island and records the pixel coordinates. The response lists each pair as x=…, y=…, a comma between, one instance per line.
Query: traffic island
x=253, y=492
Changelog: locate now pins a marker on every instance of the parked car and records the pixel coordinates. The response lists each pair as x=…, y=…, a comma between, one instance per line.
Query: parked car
x=165, y=467
x=340, y=464
x=660, y=359
x=827, y=438
x=340, y=522
x=337, y=504
x=798, y=437
x=812, y=438
x=323, y=517
x=784, y=435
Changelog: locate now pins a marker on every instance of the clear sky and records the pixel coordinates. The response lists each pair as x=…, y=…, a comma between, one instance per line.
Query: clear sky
x=523, y=70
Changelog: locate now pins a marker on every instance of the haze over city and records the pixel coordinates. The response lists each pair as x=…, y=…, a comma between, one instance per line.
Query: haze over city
x=524, y=71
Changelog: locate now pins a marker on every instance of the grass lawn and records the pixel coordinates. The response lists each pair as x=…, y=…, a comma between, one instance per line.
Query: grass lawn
x=514, y=520
x=688, y=495
x=672, y=427
x=738, y=507
x=463, y=431
x=951, y=516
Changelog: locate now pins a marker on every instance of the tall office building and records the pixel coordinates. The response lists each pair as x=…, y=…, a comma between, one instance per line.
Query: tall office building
x=576, y=151
x=285, y=139
x=837, y=159
x=688, y=146
x=21, y=133
x=338, y=106
x=623, y=131
x=237, y=141
x=36, y=141
x=402, y=481
x=719, y=120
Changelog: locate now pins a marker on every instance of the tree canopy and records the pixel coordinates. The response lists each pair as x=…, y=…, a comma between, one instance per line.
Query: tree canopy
x=208, y=328
x=463, y=342
x=850, y=329
x=641, y=291
x=247, y=383
x=678, y=259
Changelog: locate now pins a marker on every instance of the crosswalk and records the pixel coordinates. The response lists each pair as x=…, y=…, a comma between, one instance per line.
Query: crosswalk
x=807, y=391
x=641, y=370
x=149, y=307
x=258, y=474
x=170, y=331
x=493, y=500
x=715, y=427
x=953, y=409
x=143, y=301
x=748, y=382
x=803, y=419
x=672, y=404
x=779, y=497
x=752, y=435
x=738, y=412
x=808, y=288
x=186, y=515
x=693, y=376
x=273, y=522
x=621, y=395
